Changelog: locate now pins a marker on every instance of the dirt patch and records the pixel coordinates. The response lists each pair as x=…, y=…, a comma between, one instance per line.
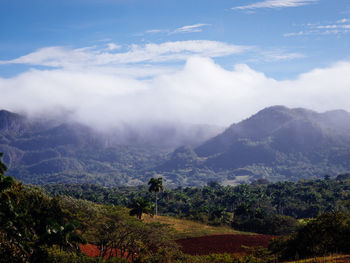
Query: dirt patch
x=92, y=251
x=221, y=243
x=89, y=250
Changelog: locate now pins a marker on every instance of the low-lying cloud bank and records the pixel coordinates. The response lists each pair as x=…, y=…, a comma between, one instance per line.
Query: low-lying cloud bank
x=200, y=92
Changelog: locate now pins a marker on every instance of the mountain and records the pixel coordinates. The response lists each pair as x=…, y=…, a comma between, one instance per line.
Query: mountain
x=277, y=143
x=44, y=151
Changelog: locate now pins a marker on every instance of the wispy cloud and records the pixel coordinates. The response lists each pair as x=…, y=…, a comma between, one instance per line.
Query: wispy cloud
x=341, y=26
x=344, y=20
x=155, y=31
x=180, y=30
x=279, y=55
x=275, y=4
x=149, y=53
x=268, y=55
x=190, y=28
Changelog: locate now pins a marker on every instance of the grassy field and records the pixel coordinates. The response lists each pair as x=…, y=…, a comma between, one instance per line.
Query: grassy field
x=328, y=259
x=187, y=228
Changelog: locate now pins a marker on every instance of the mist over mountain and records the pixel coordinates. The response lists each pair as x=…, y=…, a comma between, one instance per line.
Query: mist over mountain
x=277, y=143
x=43, y=150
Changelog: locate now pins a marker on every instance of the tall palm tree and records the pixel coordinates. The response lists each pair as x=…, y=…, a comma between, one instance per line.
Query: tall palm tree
x=156, y=186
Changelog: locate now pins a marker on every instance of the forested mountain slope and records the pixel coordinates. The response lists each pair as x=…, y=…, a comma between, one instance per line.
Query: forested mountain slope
x=50, y=151
x=276, y=143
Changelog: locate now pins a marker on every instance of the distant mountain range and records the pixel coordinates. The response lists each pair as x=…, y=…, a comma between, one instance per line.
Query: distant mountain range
x=277, y=143
x=43, y=151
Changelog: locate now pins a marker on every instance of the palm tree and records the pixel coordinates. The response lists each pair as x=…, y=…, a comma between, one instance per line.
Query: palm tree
x=156, y=186
x=140, y=206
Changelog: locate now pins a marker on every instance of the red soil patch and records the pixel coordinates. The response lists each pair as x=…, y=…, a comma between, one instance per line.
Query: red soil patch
x=221, y=243
x=89, y=250
x=92, y=251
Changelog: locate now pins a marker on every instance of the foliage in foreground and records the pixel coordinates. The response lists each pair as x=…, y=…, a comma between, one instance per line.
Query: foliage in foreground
x=37, y=228
x=329, y=233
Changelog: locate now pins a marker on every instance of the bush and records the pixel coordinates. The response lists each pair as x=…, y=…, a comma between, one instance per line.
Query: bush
x=271, y=225
x=328, y=233
x=55, y=255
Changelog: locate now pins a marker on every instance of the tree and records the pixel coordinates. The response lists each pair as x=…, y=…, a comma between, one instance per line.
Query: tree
x=326, y=234
x=3, y=167
x=140, y=206
x=6, y=182
x=156, y=186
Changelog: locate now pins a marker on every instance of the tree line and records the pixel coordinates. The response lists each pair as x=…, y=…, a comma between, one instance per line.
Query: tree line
x=263, y=207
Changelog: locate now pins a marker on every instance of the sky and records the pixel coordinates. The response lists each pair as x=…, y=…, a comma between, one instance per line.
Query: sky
x=109, y=62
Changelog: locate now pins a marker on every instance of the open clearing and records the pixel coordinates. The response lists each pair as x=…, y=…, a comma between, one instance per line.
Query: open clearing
x=187, y=228
x=222, y=244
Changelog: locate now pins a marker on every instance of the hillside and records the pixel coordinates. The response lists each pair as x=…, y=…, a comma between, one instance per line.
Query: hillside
x=53, y=151
x=277, y=143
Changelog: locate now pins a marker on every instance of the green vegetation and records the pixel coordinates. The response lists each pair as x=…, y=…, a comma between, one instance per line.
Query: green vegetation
x=261, y=207
x=327, y=234
x=178, y=257
x=31, y=221
x=36, y=227
x=140, y=206
x=156, y=186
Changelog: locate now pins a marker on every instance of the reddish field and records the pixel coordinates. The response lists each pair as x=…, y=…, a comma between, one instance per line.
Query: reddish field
x=92, y=251
x=221, y=243
x=206, y=245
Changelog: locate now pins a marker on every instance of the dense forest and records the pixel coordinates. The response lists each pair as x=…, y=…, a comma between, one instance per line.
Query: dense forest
x=262, y=207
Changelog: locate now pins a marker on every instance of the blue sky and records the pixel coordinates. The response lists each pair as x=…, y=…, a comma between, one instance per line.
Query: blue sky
x=145, y=42
x=286, y=41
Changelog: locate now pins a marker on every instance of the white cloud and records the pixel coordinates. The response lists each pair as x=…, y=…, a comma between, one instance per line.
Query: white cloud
x=344, y=20
x=275, y=4
x=148, y=53
x=113, y=46
x=181, y=30
x=190, y=28
x=200, y=92
x=155, y=31
x=279, y=55
x=341, y=26
x=293, y=34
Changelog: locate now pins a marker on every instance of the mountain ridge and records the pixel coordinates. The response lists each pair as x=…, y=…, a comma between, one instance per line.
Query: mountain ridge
x=276, y=143
x=44, y=151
